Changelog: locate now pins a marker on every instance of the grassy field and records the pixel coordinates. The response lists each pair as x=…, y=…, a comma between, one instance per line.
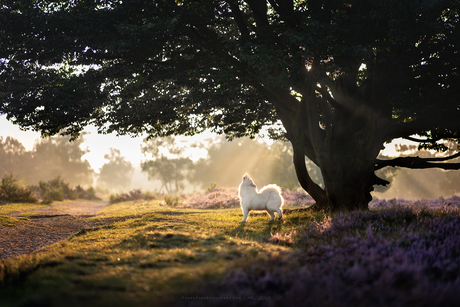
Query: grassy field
x=143, y=253
x=10, y=208
x=7, y=221
x=146, y=254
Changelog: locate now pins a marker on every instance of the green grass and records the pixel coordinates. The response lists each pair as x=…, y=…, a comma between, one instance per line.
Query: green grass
x=140, y=254
x=7, y=221
x=11, y=208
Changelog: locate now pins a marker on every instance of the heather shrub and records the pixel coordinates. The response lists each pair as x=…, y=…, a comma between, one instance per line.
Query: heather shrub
x=172, y=200
x=439, y=203
x=13, y=190
x=397, y=256
x=219, y=198
x=296, y=198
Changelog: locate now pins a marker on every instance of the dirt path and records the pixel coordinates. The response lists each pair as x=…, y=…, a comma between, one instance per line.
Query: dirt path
x=47, y=226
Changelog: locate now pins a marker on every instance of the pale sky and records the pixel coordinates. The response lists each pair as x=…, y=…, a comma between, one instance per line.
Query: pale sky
x=99, y=145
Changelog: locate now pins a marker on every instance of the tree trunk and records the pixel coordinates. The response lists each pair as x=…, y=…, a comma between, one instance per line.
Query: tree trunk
x=348, y=182
x=304, y=178
x=348, y=178
x=343, y=137
x=341, y=128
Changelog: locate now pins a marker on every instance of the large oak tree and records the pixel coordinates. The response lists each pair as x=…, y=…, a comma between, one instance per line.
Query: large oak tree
x=343, y=77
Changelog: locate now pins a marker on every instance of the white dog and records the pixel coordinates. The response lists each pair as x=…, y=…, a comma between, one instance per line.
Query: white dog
x=268, y=199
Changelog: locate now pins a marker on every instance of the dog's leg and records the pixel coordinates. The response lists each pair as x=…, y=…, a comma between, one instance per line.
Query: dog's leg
x=245, y=215
x=280, y=214
x=272, y=215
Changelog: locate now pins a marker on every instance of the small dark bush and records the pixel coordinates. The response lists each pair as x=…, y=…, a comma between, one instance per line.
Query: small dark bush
x=52, y=194
x=13, y=190
x=121, y=197
x=132, y=195
x=172, y=200
x=56, y=189
x=150, y=195
x=89, y=194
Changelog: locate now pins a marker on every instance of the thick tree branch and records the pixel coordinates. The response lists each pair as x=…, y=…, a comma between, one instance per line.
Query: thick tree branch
x=380, y=181
x=418, y=140
x=285, y=8
x=280, y=100
x=419, y=163
x=318, y=194
x=259, y=10
x=332, y=101
x=406, y=129
x=427, y=123
x=240, y=21
x=432, y=140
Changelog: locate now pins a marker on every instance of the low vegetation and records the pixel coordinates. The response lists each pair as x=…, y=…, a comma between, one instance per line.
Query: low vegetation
x=136, y=194
x=213, y=198
x=58, y=190
x=13, y=190
x=147, y=253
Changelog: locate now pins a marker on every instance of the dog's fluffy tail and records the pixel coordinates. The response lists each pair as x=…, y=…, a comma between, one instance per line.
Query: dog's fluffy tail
x=272, y=188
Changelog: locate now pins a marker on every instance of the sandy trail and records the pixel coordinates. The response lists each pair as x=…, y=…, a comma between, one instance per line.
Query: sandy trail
x=46, y=226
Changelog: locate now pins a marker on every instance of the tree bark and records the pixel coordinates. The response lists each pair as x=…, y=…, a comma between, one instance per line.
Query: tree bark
x=343, y=135
x=348, y=181
x=304, y=178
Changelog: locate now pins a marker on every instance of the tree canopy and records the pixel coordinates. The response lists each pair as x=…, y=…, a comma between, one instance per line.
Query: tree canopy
x=343, y=77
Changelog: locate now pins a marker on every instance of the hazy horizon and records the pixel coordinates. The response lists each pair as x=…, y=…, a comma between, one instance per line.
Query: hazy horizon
x=409, y=184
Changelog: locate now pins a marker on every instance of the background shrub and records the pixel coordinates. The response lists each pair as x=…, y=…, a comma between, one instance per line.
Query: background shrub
x=172, y=200
x=14, y=190
x=121, y=197
x=52, y=194
x=89, y=194
x=56, y=190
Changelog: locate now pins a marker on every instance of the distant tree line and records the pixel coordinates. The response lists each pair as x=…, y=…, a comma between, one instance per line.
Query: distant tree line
x=57, y=156
x=49, y=158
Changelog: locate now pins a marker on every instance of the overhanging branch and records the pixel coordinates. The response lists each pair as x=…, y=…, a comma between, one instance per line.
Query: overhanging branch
x=419, y=163
x=427, y=123
x=283, y=101
x=240, y=21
